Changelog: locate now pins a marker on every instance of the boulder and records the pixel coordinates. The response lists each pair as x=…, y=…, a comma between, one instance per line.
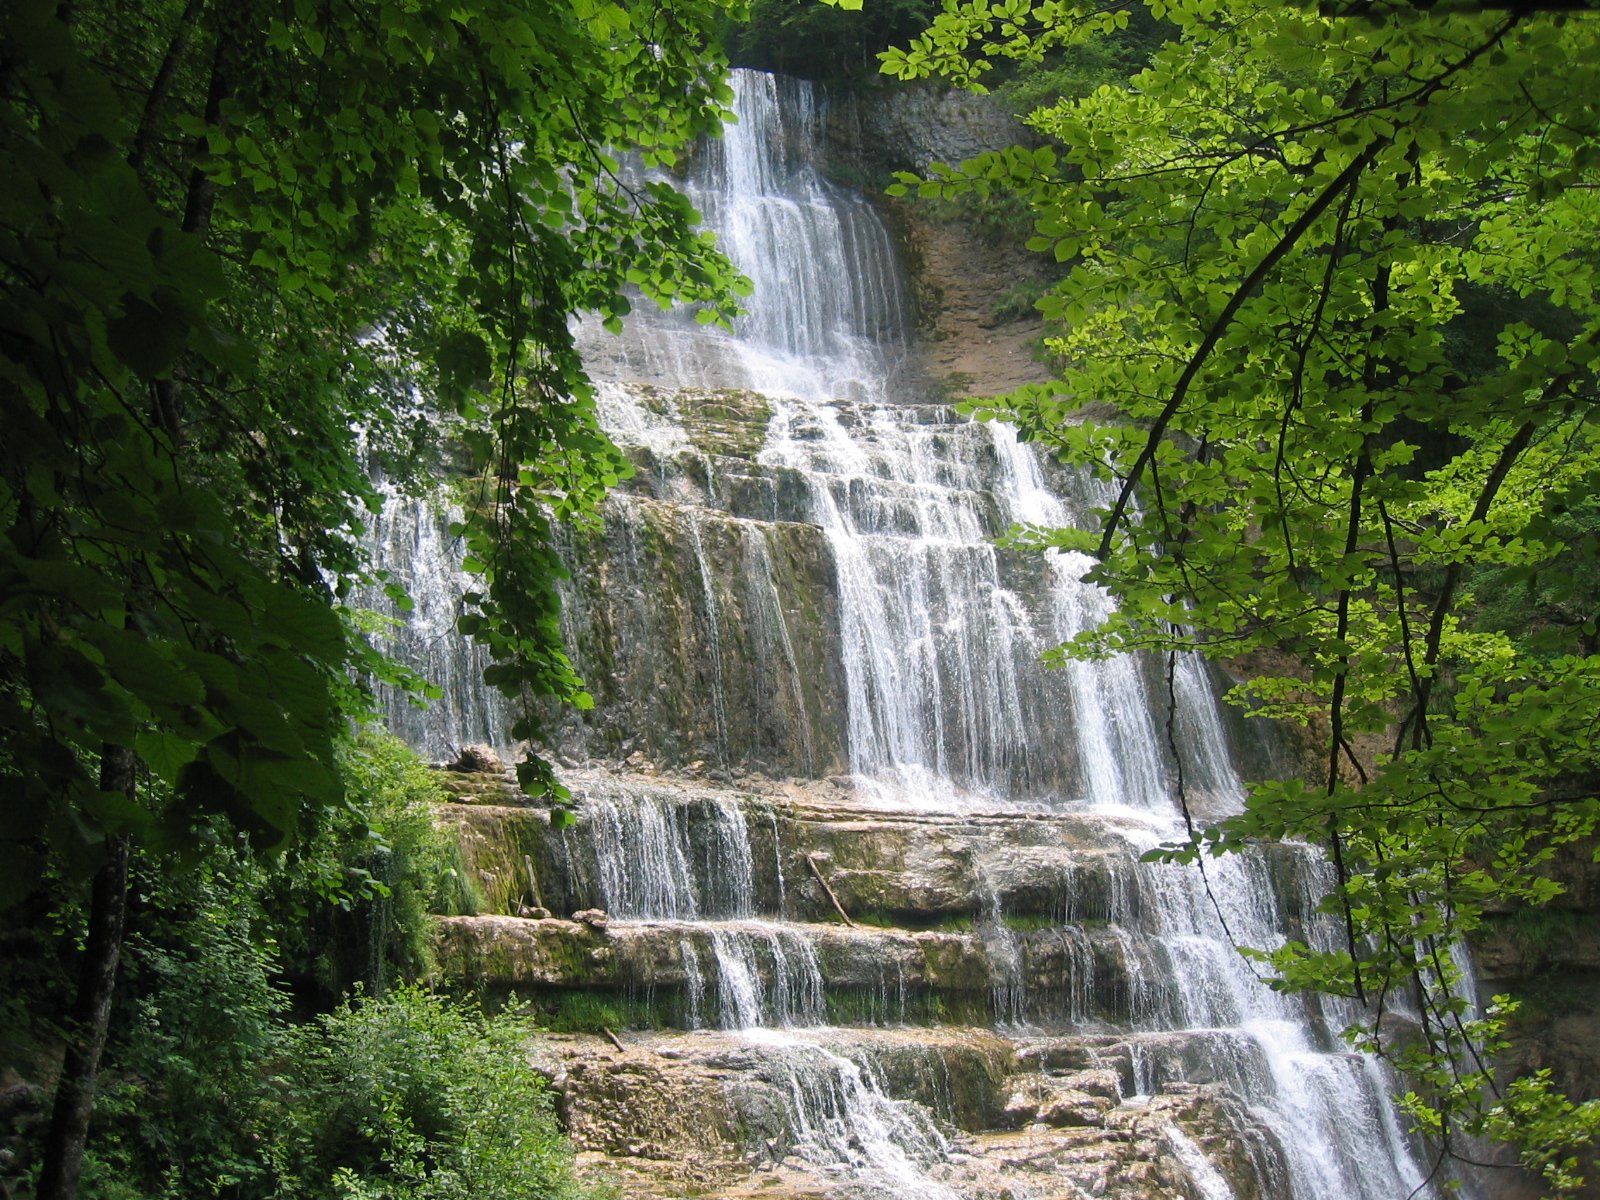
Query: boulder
x=478, y=759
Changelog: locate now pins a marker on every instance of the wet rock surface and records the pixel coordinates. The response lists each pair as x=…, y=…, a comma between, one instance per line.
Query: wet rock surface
x=916, y=869
x=706, y=1114
x=856, y=903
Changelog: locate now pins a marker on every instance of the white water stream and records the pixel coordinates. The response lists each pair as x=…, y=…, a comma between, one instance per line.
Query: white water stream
x=948, y=709
x=947, y=706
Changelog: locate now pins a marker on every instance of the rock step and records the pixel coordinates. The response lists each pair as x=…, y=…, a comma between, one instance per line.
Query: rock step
x=729, y=974
x=741, y=1114
x=947, y=872
x=610, y=953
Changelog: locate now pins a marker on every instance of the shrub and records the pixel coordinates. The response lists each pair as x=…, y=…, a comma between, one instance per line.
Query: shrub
x=407, y=1097
x=178, y=1114
x=353, y=908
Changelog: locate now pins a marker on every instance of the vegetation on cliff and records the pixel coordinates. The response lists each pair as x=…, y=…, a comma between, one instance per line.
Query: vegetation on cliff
x=1338, y=273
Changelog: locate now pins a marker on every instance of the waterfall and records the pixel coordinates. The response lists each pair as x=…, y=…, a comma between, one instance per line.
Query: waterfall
x=842, y=1117
x=410, y=542
x=659, y=859
x=819, y=609
x=822, y=325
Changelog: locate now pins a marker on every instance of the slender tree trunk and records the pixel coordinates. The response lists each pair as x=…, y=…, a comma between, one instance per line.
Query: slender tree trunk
x=200, y=196
x=161, y=86
x=91, y=1013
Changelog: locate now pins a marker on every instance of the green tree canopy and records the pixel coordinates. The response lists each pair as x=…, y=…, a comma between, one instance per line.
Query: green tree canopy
x=241, y=245
x=248, y=250
x=1337, y=277
x=824, y=41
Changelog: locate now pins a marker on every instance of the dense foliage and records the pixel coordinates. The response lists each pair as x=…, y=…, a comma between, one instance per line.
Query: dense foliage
x=250, y=254
x=212, y=1084
x=1338, y=278
x=816, y=41
x=406, y=1097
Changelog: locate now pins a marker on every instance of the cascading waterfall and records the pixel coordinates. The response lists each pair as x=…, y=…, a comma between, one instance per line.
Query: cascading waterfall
x=843, y=1118
x=937, y=635
x=410, y=540
x=647, y=856
x=824, y=325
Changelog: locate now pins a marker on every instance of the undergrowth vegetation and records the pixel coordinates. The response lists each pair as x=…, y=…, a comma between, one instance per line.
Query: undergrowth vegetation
x=401, y=1097
x=267, y=1040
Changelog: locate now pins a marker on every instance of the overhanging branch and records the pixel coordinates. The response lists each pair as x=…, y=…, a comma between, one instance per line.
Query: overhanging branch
x=1289, y=239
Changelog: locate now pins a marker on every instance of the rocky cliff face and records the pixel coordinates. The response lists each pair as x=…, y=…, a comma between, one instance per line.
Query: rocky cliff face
x=909, y=127
x=879, y=1068
x=855, y=902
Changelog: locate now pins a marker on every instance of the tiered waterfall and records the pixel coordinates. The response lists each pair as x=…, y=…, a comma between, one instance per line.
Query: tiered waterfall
x=857, y=881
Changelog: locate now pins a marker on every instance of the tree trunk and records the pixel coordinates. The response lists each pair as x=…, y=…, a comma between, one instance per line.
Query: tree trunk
x=91, y=1013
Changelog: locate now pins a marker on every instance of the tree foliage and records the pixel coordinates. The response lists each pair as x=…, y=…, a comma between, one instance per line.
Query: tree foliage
x=210, y=1086
x=1339, y=278
x=237, y=240
x=826, y=42
x=408, y=1098
x=250, y=251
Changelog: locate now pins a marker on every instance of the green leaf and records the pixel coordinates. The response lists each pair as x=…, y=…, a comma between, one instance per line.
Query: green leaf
x=145, y=669
x=165, y=754
x=146, y=338
x=464, y=360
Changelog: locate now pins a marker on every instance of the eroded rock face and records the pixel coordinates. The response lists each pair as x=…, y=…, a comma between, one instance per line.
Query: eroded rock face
x=855, y=905
x=492, y=787
x=912, y=127
x=917, y=870
x=728, y=1116
x=702, y=615
x=891, y=976
x=1548, y=959
x=711, y=623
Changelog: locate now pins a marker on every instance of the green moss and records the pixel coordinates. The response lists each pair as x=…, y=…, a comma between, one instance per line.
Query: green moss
x=590, y=1011
x=914, y=922
x=573, y=1010
x=491, y=848
x=459, y=893
x=953, y=965
x=570, y=956
x=1029, y=922
x=876, y=918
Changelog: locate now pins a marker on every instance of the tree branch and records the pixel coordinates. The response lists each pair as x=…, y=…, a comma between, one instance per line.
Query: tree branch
x=1197, y=360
